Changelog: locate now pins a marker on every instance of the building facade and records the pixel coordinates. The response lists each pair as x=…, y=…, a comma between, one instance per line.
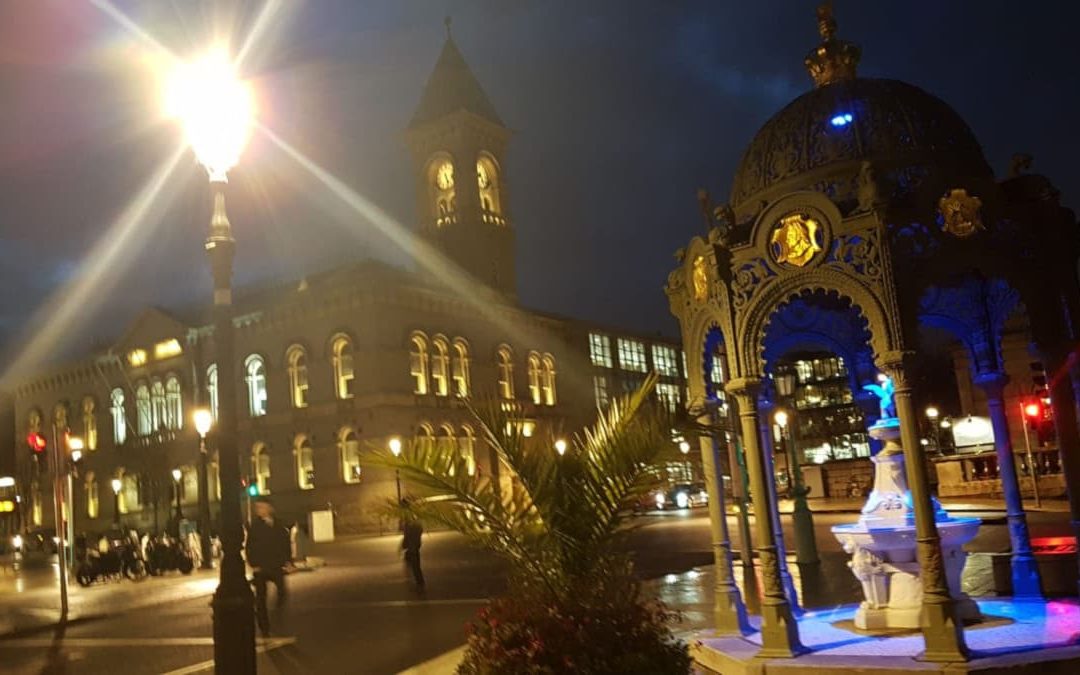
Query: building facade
x=335, y=365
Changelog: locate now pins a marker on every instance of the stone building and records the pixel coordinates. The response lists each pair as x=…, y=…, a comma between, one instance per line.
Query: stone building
x=340, y=362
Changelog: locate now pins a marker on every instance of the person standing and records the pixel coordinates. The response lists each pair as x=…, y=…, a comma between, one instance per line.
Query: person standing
x=268, y=552
x=410, y=543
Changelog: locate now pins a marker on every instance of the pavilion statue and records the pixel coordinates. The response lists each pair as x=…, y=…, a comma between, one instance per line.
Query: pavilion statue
x=864, y=218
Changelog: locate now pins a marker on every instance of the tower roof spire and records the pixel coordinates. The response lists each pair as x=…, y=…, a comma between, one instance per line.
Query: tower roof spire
x=452, y=87
x=834, y=60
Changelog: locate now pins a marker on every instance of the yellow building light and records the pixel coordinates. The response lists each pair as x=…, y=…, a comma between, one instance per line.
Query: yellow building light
x=7, y=506
x=137, y=357
x=167, y=349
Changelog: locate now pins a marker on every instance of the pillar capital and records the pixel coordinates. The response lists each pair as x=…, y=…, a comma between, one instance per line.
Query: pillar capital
x=896, y=365
x=992, y=382
x=746, y=390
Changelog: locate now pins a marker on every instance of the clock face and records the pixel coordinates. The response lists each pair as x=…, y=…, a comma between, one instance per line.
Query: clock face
x=444, y=176
x=482, y=176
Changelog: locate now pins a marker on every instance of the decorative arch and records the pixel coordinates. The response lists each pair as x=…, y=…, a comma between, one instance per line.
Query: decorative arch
x=297, y=366
x=260, y=466
x=488, y=180
x=342, y=360
x=974, y=311
x=441, y=183
x=349, y=453
x=305, y=461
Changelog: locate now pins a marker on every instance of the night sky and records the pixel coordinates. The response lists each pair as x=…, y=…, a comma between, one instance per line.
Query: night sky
x=620, y=111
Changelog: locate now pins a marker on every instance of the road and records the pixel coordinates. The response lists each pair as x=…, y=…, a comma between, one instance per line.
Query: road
x=358, y=614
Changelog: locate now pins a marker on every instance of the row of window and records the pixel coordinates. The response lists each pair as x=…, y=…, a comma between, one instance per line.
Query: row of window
x=632, y=355
x=669, y=394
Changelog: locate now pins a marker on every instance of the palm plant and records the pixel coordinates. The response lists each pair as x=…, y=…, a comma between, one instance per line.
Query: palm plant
x=558, y=526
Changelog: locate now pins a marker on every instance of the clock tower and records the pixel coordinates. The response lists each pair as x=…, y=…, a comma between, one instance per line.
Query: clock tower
x=457, y=142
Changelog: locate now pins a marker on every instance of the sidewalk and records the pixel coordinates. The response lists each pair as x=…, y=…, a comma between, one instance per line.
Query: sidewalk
x=829, y=505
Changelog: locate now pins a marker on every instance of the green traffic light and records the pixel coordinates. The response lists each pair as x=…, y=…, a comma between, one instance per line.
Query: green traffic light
x=253, y=490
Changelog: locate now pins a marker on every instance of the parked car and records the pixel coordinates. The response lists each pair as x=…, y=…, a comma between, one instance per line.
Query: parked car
x=682, y=496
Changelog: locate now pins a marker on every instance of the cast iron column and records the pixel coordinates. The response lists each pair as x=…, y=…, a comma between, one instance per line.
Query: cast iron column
x=943, y=635
x=729, y=612
x=779, y=632
x=765, y=430
x=802, y=520
x=234, y=607
x=1025, y=573
x=204, y=508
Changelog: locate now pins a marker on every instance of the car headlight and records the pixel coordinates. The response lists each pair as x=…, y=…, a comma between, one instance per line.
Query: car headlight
x=682, y=500
x=660, y=499
x=17, y=542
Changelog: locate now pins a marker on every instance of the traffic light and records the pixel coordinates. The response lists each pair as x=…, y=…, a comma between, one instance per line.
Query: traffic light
x=250, y=486
x=36, y=442
x=1040, y=384
x=1033, y=411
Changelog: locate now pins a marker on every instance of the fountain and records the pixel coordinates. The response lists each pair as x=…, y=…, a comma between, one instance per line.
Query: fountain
x=882, y=542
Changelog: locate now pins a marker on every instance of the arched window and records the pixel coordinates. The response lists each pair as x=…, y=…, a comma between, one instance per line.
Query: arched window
x=214, y=488
x=349, y=446
x=467, y=449
x=440, y=366
x=305, y=463
x=256, y=384
x=425, y=437
x=296, y=357
x=534, y=377
x=33, y=421
x=505, y=363
x=174, y=405
x=487, y=179
x=89, y=420
x=212, y=389
x=547, y=379
x=119, y=416
x=342, y=355
x=157, y=405
x=460, y=368
x=143, y=418
x=60, y=416
x=440, y=175
x=129, y=491
x=260, y=467
x=93, y=504
x=189, y=484
x=418, y=363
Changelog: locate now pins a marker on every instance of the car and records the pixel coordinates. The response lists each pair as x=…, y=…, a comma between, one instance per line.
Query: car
x=682, y=496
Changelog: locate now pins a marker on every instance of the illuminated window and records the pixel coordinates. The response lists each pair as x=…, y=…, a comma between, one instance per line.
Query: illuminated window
x=418, y=363
x=212, y=389
x=344, y=373
x=260, y=467
x=632, y=355
x=167, y=349
x=716, y=370
x=505, y=364
x=119, y=417
x=256, y=385
x=349, y=446
x=600, y=391
x=842, y=120
x=158, y=410
x=296, y=358
x=425, y=437
x=143, y=417
x=93, y=503
x=37, y=507
x=443, y=189
x=189, y=484
x=487, y=179
x=467, y=449
x=174, y=406
x=137, y=357
x=440, y=366
x=305, y=463
x=459, y=367
x=669, y=396
x=445, y=441
x=89, y=415
x=129, y=492
x=60, y=416
x=665, y=360
x=533, y=363
x=547, y=379
x=600, y=350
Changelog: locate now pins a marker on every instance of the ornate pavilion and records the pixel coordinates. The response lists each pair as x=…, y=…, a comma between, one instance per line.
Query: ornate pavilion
x=863, y=218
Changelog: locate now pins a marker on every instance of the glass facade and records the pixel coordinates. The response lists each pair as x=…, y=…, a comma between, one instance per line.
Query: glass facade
x=632, y=355
x=830, y=425
x=600, y=350
x=665, y=360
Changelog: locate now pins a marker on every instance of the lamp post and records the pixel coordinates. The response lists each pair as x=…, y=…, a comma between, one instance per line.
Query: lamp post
x=215, y=109
x=802, y=519
x=116, y=485
x=684, y=448
x=203, y=421
x=177, y=476
x=395, y=450
x=932, y=414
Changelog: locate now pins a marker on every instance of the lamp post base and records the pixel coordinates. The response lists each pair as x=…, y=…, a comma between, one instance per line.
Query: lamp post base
x=234, y=631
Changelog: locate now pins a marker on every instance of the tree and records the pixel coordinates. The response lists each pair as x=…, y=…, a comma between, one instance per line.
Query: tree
x=572, y=601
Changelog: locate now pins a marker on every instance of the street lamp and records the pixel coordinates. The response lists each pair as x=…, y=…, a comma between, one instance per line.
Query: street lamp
x=560, y=447
x=204, y=419
x=395, y=450
x=116, y=485
x=177, y=475
x=802, y=519
x=932, y=414
x=215, y=109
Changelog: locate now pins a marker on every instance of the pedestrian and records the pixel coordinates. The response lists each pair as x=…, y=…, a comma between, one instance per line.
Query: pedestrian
x=410, y=543
x=268, y=554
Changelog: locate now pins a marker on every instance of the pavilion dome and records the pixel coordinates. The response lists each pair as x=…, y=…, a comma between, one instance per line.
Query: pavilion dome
x=820, y=140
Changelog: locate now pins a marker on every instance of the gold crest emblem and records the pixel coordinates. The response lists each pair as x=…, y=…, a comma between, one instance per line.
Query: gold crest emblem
x=700, y=278
x=795, y=241
x=960, y=213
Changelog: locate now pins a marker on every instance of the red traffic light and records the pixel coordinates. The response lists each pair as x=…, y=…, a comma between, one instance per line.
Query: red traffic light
x=1033, y=411
x=36, y=441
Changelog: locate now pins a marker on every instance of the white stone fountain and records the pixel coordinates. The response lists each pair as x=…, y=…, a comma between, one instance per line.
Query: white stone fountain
x=882, y=542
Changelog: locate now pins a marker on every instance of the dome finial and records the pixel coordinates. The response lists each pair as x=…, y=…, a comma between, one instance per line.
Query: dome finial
x=834, y=60
x=446, y=22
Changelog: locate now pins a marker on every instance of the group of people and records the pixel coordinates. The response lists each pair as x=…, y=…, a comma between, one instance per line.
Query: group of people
x=268, y=550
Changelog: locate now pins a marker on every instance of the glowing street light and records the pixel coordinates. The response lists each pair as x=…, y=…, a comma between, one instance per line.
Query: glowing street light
x=204, y=419
x=395, y=450
x=560, y=447
x=684, y=447
x=116, y=485
x=216, y=110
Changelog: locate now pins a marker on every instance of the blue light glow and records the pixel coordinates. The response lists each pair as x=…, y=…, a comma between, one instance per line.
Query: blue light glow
x=842, y=120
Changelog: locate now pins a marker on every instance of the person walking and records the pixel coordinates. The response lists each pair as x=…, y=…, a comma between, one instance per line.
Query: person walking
x=410, y=543
x=268, y=552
